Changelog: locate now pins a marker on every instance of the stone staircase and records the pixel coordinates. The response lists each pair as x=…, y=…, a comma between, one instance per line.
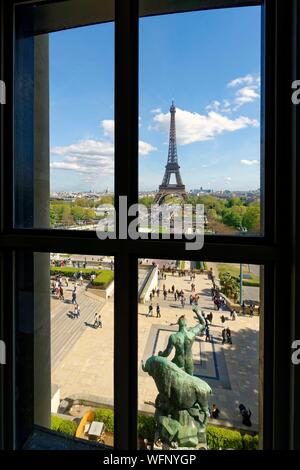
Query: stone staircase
x=65, y=331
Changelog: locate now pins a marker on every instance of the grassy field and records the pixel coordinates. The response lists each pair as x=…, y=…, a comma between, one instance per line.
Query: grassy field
x=234, y=270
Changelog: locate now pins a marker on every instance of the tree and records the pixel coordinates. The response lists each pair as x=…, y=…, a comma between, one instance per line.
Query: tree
x=230, y=286
x=212, y=214
x=146, y=200
x=234, y=216
x=251, y=218
x=211, y=202
x=52, y=216
x=84, y=202
x=234, y=201
x=78, y=213
x=105, y=200
x=66, y=217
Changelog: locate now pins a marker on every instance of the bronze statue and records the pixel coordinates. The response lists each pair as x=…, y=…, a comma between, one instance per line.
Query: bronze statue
x=183, y=341
x=181, y=406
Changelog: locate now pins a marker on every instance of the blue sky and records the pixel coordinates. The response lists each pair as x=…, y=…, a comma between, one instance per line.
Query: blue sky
x=208, y=62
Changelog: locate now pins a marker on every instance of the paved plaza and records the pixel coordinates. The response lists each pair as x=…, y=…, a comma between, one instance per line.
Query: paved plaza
x=85, y=365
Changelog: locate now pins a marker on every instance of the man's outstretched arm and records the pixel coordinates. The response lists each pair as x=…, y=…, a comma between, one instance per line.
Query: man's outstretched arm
x=201, y=326
x=168, y=349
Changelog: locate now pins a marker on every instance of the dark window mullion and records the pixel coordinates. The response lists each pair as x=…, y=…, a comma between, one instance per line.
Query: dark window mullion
x=280, y=35
x=295, y=409
x=126, y=184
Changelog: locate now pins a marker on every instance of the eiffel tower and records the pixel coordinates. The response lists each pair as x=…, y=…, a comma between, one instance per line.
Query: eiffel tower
x=166, y=189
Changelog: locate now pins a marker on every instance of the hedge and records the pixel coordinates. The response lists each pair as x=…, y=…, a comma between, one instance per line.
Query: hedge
x=250, y=442
x=217, y=438
x=106, y=416
x=64, y=426
x=146, y=427
x=68, y=271
x=103, y=278
x=234, y=271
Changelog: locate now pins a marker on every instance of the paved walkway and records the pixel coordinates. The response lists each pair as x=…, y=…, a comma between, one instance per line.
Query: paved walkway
x=231, y=370
x=85, y=356
x=66, y=330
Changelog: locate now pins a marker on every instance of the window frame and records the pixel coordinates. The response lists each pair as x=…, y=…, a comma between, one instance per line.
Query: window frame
x=275, y=250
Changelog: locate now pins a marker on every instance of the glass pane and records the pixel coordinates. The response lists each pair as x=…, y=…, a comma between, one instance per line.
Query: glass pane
x=65, y=302
x=64, y=123
x=198, y=349
x=200, y=125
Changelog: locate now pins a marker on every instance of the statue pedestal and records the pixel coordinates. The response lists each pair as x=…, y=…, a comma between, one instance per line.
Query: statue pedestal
x=201, y=446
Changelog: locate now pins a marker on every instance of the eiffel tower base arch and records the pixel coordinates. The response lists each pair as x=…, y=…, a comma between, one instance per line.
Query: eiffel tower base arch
x=164, y=192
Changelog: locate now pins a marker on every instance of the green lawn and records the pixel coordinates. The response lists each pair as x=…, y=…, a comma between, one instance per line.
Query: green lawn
x=104, y=278
x=234, y=270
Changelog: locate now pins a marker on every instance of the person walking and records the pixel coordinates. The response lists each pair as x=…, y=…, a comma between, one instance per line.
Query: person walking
x=150, y=311
x=251, y=310
x=74, y=296
x=246, y=415
x=223, y=319
x=228, y=336
x=214, y=412
x=96, y=321
x=61, y=293
x=223, y=336
x=158, y=315
x=76, y=313
x=207, y=334
x=165, y=294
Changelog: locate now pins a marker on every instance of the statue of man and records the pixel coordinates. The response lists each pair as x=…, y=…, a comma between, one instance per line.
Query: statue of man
x=183, y=341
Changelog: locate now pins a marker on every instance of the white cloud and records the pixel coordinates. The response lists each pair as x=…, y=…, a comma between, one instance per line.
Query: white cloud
x=193, y=127
x=221, y=107
x=246, y=95
x=246, y=80
x=215, y=105
x=228, y=178
x=249, y=91
x=108, y=126
x=249, y=162
x=85, y=147
x=145, y=148
x=156, y=110
x=89, y=157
